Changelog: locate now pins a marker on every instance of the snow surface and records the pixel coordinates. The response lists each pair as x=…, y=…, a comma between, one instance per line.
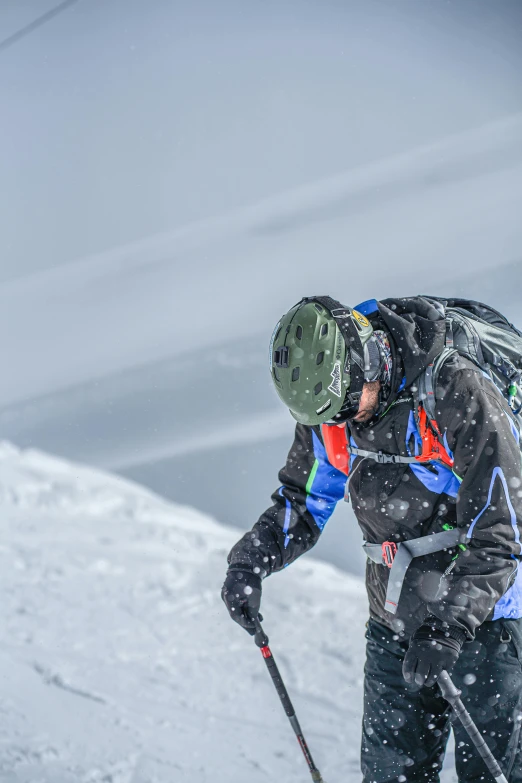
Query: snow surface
x=118, y=662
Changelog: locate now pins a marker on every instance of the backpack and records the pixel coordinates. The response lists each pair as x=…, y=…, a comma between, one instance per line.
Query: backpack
x=489, y=340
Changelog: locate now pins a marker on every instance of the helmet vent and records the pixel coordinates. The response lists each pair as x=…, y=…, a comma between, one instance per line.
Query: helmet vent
x=318, y=388
x=324, y=330
x=281, y=356
x=318, y=308
x=295, y=373
x=299, y=332
x=320, y=358
x=276, y=376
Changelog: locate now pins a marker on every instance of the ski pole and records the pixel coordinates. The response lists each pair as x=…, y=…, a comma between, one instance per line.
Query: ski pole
x=261, y=639
x=452, y=695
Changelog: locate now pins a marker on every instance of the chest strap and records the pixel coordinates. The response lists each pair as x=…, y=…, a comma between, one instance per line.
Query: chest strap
x=378, y=456
x=398, y=558
x=338, y=448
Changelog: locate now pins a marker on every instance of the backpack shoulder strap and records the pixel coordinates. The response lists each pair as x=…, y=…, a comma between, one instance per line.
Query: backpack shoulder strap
x=427, y=383
x=424, y=408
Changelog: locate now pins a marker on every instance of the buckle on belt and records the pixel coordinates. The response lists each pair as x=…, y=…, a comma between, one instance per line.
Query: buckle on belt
x=389, y=550
x=385, y=459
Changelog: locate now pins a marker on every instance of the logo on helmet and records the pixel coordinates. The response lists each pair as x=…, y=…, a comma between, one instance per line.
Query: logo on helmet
x=359, y=317
x=335, y=386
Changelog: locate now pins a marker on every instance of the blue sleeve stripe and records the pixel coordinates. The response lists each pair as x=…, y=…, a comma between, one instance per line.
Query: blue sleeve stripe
x=498, y=472
x=510, y=605
x=353, y=457
x=446, y=445
x=327, y=487
x=514, y=430
x=288, y=517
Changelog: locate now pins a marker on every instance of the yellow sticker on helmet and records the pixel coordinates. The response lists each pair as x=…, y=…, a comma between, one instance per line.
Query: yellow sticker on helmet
x=361, y=318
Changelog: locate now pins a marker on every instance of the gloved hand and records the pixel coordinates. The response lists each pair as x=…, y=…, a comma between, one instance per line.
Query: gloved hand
x=242, y=596
x=434, y=646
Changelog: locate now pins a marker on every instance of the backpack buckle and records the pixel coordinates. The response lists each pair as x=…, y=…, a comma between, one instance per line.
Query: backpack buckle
x=385, y=459
x=389, y=550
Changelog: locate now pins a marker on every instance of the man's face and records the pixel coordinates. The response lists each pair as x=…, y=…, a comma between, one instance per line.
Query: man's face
x=368, y=403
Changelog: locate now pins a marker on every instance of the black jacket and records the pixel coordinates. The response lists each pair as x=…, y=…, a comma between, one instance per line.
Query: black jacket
x=397, y=502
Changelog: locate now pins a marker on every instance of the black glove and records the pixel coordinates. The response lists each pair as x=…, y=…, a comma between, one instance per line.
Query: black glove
x=242, y=596
x=434, y=647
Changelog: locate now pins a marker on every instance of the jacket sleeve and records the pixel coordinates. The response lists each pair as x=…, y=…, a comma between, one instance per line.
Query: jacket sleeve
x=487, y=460
x=310, y=488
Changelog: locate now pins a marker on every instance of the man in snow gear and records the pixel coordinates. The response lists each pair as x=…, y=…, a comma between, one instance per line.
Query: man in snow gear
x=400, y=409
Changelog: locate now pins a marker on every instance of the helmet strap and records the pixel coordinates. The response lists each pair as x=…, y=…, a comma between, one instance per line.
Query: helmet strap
x=343, y=317
x=374, y=360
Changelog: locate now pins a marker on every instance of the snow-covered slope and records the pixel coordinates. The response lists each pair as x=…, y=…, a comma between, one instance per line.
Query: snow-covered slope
x=118, y=662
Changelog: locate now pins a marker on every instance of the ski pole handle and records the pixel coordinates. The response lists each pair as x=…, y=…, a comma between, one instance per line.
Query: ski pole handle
x=449, y=690
x=452, y=695
x=261, y=639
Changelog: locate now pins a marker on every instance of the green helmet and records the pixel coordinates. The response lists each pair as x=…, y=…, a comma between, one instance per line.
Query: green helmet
x=312, y=364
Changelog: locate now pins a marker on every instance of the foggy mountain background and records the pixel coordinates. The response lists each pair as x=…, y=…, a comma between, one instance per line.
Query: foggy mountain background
x=176, y=175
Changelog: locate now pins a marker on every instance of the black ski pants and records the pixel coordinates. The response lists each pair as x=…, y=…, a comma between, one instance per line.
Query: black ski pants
x=405, y=729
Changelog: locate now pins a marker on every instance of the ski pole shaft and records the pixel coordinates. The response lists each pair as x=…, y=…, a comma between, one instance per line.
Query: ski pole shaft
x=452, y=695
x=261, y=640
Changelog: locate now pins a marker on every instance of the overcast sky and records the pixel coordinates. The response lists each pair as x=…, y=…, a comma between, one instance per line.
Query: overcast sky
x=123, y=118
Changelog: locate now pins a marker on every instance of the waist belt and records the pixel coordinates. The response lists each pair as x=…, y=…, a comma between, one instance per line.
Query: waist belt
x=398, y=558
